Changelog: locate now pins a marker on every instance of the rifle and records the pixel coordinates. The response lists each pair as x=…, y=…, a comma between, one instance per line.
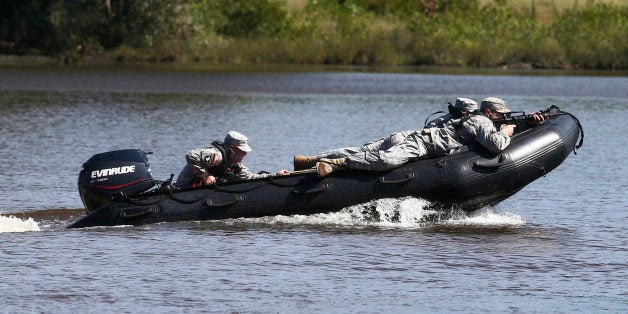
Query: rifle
x=521, y=118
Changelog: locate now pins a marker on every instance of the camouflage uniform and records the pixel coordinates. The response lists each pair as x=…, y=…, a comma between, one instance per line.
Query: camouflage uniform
x=201, y=162
x=480, y=129
x=399, y=148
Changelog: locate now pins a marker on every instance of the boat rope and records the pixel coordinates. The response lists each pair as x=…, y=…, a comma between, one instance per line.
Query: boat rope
x=560, y=112
x=282, y=185
x=169, y=188
x=581, y=134
x=121, y=196
x=166, y=186
x=289, y=185
x=428, y=117
x=176, y=199
x=221, y=189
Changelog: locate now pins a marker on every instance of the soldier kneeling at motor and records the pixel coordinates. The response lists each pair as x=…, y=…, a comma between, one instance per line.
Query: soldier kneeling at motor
x=221, y=162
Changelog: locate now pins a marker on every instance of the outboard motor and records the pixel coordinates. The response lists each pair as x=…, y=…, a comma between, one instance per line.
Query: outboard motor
x=115, y=173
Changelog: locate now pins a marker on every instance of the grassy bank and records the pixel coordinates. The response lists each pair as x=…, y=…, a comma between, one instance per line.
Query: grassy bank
x=527, y=34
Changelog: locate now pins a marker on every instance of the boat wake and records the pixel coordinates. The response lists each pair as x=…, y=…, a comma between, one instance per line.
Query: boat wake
x=387, y=213
x=402, y=213
x=15, y=224
x=47, y=219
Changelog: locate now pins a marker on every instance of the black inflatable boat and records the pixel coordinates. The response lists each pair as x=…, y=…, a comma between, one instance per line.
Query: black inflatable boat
x=117, y=187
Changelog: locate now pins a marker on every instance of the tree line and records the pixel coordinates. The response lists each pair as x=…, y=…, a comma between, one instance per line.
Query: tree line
x=471, y=33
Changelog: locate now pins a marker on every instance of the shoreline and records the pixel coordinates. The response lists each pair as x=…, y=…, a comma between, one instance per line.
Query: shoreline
x=26, y=61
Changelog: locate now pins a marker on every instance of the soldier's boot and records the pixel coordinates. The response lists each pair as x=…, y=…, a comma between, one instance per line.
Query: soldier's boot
x=326, y=166
x=304, y=162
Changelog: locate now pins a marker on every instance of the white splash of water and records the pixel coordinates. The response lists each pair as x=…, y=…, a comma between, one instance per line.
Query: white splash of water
x=388, y=212
x=405, y=213
x=486, y=218
x=14, y=224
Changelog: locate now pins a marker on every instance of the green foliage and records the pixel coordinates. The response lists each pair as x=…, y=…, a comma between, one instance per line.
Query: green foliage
x=594, y=36
x=88, y=27
x=241, y=18
x=477, y=33
x=340, y=33
x=395, y=7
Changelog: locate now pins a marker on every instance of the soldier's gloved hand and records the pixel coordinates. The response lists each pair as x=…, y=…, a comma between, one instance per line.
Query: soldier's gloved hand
x=210, y=180
x=282, y=172
x=508, y=128
x=537, y=117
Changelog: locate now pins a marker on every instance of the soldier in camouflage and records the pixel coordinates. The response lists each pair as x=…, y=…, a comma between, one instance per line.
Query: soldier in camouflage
x=221, y=162
x=399, y=148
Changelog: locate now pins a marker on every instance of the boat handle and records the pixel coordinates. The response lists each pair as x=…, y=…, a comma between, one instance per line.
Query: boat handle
x=491, y=163
x=311, y=191
x=273, y=182
x=408, y=177
x=226, y=204
x=124, y=215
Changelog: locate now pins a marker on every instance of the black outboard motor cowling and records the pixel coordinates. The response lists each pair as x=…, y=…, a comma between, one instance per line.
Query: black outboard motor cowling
x=120, y=172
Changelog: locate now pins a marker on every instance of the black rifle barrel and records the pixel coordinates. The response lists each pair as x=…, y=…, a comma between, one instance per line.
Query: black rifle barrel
x=526, y=117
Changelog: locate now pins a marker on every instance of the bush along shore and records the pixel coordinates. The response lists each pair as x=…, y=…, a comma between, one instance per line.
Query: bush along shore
x=471, y=33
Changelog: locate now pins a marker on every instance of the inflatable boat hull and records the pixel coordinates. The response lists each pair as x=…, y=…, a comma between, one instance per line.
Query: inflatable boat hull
x=469, y=179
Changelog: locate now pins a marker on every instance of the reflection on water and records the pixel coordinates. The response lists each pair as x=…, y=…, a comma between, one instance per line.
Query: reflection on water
x=149, y=80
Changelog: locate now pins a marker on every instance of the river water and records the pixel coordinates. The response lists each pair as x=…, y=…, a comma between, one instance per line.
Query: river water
x=559, y=244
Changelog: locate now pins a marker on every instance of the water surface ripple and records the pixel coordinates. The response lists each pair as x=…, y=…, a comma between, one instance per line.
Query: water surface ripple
x=558, y=244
